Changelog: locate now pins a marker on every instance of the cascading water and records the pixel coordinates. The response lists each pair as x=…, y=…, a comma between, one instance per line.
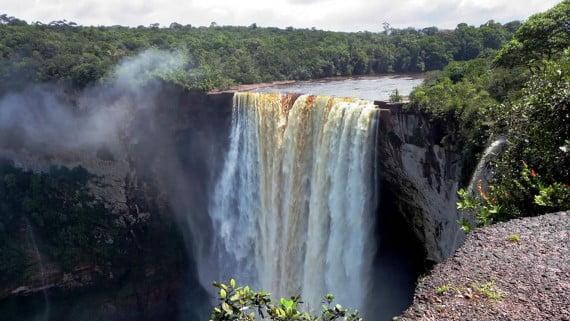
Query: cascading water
x=46, y=312
x=482, y=174
x=293, y=207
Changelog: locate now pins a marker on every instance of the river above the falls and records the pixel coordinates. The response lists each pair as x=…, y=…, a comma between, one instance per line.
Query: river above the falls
x=378, y=87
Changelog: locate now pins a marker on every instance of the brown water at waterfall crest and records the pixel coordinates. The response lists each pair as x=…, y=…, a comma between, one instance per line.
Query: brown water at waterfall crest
x=292, y=209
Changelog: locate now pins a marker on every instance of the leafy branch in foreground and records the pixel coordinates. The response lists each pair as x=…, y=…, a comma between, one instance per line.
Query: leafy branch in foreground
x=243, y=304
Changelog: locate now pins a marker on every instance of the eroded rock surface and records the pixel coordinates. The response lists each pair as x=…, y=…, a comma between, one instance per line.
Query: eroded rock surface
x=518, y=270
x=420, y=170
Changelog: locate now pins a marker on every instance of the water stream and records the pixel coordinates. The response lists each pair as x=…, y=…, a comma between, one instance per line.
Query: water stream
x=46, y=311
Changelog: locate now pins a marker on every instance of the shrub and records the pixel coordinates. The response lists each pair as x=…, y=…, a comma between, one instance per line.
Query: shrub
x=395, y=96
x=243, y=304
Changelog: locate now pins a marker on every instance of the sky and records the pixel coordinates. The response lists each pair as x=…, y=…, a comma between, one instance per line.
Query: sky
x=337, y=15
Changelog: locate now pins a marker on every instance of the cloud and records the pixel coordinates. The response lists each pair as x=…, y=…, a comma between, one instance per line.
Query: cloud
x=355, y=15
x=306, y=1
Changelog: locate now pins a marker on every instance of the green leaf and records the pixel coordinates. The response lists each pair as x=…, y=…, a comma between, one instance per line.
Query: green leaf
x=288, y=304
x=227, y=308
x=223, y=293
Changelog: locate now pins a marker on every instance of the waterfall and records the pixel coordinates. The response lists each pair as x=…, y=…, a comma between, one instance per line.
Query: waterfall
x=293, y=207
x=46, y=312
x=482, y=173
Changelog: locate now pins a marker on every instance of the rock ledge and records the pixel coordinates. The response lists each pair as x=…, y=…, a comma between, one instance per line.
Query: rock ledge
x=518, y=270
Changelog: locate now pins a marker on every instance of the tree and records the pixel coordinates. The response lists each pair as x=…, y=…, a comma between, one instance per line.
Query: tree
x=395, y=96
x=5, y=19
x=386, y=28
x=243, y=304
x=512, y=26
x=493, y=34
x=469, y=42
x=538, y=124
x=542, y=36
x=430, y=31
x=222, y=55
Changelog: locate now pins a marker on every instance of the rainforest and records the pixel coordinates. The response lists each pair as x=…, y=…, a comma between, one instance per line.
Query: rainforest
x=140, y=165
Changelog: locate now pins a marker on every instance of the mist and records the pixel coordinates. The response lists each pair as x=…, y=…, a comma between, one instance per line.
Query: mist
x=42, y=117
x=44, y=125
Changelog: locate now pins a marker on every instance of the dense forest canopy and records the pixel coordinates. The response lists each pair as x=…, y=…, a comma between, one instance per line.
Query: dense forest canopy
x=221, y=56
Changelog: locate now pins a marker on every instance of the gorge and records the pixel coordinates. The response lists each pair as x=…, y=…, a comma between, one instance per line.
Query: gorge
x=391, y=198
x=139, y=164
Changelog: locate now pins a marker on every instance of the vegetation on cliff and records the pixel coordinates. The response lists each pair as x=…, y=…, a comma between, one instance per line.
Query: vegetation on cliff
x=53, y=214
x=56, y=207
x=522, y=93
x=221, y=56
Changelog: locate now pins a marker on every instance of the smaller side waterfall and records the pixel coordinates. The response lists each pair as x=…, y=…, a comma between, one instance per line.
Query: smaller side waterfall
x=46, y=312
x=293, y=208
x=481, y=172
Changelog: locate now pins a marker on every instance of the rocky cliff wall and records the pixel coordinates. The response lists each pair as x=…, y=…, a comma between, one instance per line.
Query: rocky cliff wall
x=419, y=176
x=153, y=180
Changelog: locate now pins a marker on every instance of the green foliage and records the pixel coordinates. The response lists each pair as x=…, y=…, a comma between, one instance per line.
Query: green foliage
x=537, y=128
x=443, y=289
x=459, y=97
x=478, y=99
x=224, y=56
x=537, y=125
x=508, y=200
x=395, y=96
x=486, y=208
x=543, y=35
x=68, y=221
x=489, y=290
x=243, y=304
x=515, y=238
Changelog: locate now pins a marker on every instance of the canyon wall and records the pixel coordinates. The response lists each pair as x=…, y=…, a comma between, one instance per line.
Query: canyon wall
x=157, y=179
x=419, y=174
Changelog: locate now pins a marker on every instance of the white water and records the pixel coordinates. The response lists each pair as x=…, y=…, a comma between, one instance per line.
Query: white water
x=292, y=209
x=482, y=174
x=46, y=312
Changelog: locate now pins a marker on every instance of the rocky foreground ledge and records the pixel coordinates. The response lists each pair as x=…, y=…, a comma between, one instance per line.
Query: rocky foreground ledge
x=518, y=270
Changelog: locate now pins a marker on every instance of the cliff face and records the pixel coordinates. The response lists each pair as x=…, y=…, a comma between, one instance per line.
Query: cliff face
x=419, y=176
x=155, y=181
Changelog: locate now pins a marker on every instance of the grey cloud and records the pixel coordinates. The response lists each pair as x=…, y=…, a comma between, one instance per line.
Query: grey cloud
x=306, y=1
x=354, y=15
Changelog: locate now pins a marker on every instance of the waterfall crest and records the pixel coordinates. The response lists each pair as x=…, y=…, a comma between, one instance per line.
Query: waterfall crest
x=293, y=207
